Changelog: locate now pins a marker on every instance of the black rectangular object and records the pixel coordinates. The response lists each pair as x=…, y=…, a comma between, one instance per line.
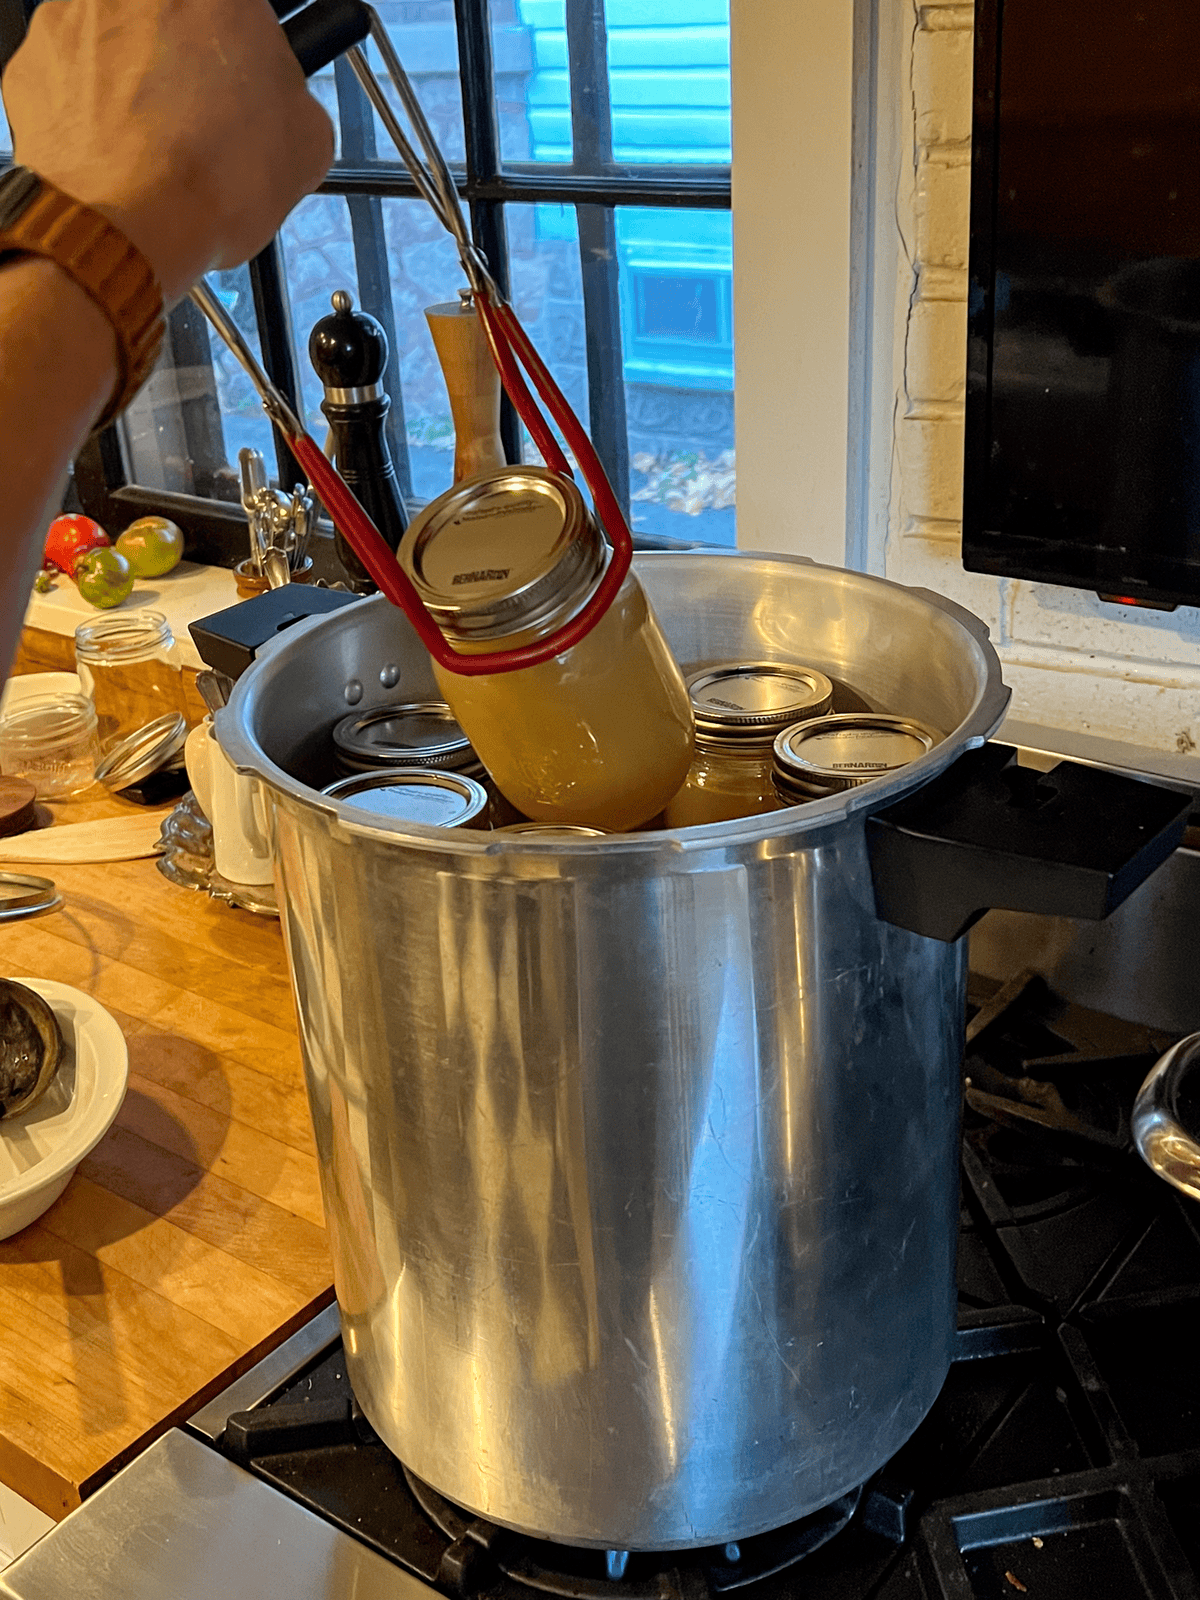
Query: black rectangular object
x=229, y=640
x=1083, y=431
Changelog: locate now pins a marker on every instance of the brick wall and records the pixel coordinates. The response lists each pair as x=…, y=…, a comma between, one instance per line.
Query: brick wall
x=1073, y=662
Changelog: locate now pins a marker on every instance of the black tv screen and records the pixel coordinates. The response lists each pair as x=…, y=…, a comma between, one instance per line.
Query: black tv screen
x=1083, y=392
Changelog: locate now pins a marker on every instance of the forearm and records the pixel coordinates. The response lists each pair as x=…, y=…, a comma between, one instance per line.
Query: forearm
x=57, y=370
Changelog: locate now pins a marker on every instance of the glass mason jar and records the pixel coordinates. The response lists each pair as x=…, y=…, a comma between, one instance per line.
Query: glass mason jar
x=599, y=736
x=421, y=734
x=829, y=755
x=130, y=667
x=52, y=743
x=739, y=708
x=436, y=799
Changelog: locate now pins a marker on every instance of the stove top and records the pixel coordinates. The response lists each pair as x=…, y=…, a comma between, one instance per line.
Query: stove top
x=1062, y=1457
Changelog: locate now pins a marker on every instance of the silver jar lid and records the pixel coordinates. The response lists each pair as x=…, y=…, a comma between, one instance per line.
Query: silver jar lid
x=503, y=551
x=143, y=752
x=755, y=700
x=831, y=754
x=422, y=734
x=435, y=799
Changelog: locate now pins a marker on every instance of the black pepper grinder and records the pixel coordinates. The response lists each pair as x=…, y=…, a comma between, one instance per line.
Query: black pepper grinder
x=349, y=352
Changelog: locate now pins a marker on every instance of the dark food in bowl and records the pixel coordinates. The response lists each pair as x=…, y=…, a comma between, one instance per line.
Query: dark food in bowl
x=31, y=1047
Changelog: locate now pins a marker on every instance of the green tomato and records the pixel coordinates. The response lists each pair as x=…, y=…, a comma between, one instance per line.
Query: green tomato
x=104, y=578
x=152, y=546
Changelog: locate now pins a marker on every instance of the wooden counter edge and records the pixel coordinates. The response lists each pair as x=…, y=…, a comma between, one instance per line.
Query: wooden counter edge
x=46, y=1489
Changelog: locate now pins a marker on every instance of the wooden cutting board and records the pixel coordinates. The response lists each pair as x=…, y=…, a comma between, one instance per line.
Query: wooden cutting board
x=123, y=838
x=192, y=1239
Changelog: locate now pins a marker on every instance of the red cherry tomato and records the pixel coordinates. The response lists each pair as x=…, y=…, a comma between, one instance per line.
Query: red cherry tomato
x=68, y=538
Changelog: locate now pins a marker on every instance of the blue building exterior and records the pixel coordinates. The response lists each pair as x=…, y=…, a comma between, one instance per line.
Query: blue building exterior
x=669, y=83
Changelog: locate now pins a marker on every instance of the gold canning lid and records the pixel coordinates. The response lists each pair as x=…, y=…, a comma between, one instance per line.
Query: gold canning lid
x=506, y=550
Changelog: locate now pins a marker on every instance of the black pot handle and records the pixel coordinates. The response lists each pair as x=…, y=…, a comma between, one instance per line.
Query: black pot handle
x=1071, y=842
x=323, y=31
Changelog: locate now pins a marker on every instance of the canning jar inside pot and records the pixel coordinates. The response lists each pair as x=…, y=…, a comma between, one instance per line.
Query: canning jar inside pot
x=739, y=708
x=601, y=735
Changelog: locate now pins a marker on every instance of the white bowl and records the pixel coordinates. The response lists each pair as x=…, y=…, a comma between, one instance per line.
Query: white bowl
x=40, y=1149
x=29, y=686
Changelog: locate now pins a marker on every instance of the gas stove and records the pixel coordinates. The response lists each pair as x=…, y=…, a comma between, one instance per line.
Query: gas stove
x=1061, y=1459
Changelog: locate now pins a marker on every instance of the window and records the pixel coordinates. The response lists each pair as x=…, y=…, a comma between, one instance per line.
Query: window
x=591, y=143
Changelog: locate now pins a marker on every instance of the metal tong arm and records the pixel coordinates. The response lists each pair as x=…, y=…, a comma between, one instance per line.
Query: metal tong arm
x=505, y=335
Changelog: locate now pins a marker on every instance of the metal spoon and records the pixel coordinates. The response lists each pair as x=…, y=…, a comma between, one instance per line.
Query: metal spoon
x=275, y=565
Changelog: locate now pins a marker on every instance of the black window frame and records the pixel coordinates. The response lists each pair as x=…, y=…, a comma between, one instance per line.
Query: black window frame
x=593, y=183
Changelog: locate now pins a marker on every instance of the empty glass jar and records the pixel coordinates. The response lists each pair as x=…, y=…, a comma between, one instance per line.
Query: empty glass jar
x=130, y=667
x=52, y=743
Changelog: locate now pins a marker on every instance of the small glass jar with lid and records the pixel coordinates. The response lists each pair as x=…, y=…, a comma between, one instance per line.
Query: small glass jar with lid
x=832, y=754
x=130, y=666
x=739, y=708
x=600, y=736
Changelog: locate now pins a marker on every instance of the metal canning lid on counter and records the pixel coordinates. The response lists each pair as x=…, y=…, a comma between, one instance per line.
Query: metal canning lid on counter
x=831, y=754
x=599, y=736
x=421, y=734
x=147, y=751
x=434, y=799
x=739, y=707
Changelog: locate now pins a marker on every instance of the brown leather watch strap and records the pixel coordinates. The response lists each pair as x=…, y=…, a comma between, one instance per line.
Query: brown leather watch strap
x=104, y=263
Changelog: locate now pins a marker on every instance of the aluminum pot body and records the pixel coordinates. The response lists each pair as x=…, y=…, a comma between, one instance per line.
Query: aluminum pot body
x=639, y=1154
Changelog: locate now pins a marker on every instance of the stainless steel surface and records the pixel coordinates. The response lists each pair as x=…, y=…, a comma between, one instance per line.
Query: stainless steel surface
x=1139, y=963
x=1159, y=1131
x=639, y=1152
x=269, y=1375
x=182, y=1523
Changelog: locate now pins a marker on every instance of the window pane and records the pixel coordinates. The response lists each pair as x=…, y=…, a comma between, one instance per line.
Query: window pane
x=183, y=431
x=426, y=40
x=676, y=293
x=529, y=50
x=547, y=292
x=668, y=72
x=5, y=136
x=423, y=270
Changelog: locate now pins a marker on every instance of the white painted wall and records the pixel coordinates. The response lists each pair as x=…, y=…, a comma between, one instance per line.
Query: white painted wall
x=792, y=68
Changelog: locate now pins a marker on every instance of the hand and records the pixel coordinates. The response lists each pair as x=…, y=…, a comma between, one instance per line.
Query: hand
x=186, y=122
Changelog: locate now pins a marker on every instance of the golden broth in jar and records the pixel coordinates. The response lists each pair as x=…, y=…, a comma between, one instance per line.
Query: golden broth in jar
x=600, y=736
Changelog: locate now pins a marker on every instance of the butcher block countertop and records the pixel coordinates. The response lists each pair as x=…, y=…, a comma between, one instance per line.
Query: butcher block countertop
x=191, y=1240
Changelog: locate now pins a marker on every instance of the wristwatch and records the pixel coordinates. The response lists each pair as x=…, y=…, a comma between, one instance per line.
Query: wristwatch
x=36, y=218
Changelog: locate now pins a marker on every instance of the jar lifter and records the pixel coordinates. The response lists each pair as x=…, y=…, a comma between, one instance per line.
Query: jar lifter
x=510, y=346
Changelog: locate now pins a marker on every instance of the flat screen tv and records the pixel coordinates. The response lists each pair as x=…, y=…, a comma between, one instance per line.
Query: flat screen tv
x=1083, y=393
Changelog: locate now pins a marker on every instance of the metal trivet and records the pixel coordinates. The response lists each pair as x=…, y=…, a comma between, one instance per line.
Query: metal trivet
x=573, y=1573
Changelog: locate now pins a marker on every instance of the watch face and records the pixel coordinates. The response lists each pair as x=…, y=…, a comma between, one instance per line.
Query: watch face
x=17, y=189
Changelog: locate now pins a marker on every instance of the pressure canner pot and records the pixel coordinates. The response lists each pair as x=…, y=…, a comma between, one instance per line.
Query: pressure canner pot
x=640, y=1153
